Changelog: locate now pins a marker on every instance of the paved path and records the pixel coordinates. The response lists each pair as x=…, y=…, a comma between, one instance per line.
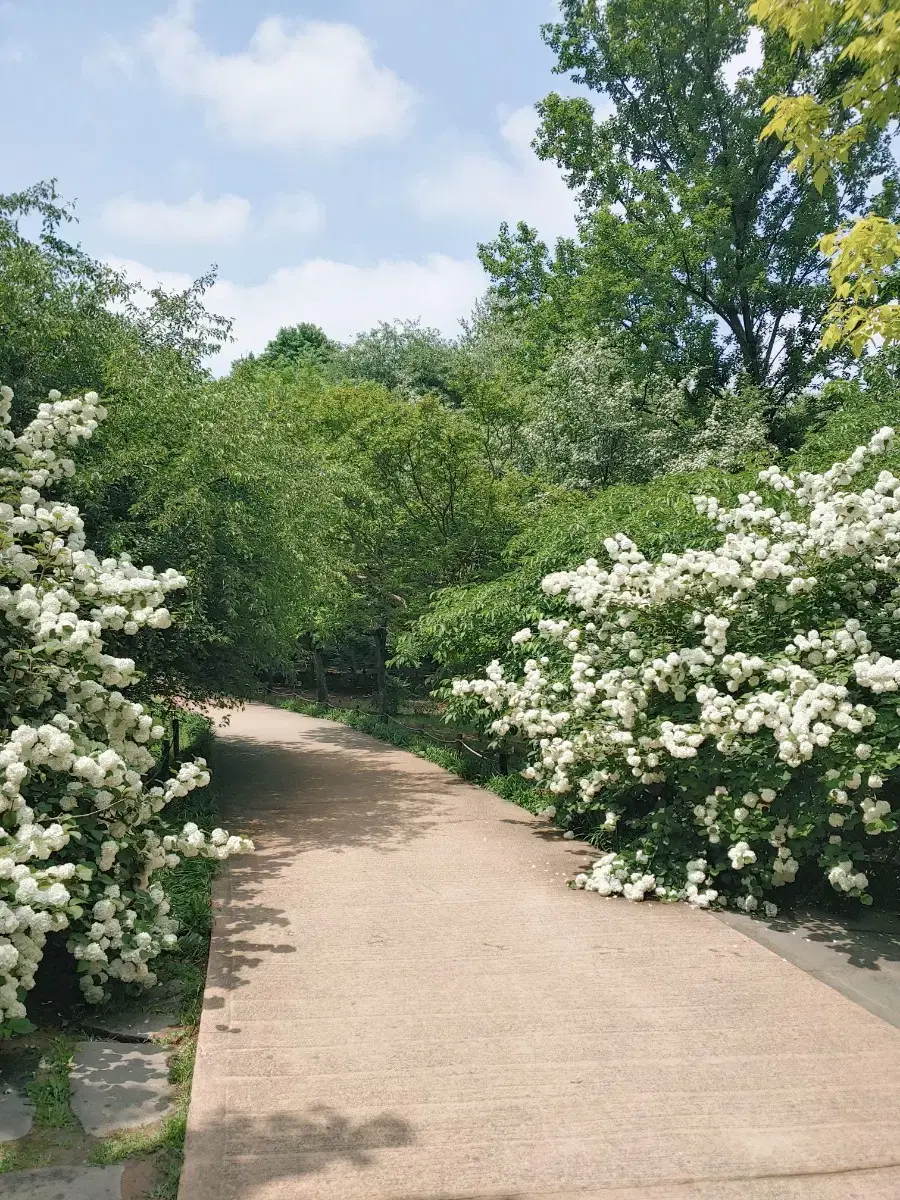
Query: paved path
x=406, y=1003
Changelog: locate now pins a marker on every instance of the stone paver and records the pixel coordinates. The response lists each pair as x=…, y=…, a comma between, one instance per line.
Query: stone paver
x=859, y=957
x=405, y=1002
x=16, y=1115
x=63, y=1183
x=133, y=1026
x=116, y=1086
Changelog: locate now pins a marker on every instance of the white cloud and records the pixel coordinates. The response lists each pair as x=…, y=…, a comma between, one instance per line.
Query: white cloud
x=194, y=220
x=297, y=212
x=750, y=58
x=340, y=297
x=485, y=188
x=309, y=83
x=111, y=57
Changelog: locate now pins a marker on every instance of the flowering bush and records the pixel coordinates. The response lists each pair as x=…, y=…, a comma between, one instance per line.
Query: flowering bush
x=721, y=717
x=81, y=830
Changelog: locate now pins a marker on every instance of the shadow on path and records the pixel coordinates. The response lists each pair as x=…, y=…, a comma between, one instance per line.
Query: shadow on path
x=327, y=798
x=869, y=945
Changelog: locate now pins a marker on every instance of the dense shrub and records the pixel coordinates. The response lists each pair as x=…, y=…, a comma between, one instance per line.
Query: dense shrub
x=595, y=424
x=81, y=817
x=719, y=717
x=464, y=625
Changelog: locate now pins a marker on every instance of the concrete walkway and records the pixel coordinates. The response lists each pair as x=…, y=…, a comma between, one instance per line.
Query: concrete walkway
x=405, y=1002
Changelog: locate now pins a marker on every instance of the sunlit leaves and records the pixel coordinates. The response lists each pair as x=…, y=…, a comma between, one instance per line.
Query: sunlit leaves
x=864, y=35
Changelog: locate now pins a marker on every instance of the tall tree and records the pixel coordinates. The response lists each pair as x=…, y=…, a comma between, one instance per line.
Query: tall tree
x=404, y=357
x=57, y=324
x=207, y=477
x=694, y=238
x=418, y=507
x=303, y=345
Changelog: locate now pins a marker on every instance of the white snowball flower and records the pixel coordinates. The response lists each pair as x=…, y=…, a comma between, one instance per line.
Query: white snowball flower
x=80, y=834
x=675, y=682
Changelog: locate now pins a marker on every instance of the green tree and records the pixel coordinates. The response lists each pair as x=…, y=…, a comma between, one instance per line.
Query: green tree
x=593, y=424
x=214, y=478
x=304, y=345
x=695, y=242
x=405, y=357
x=467, y=625
x=186, y=470
x=57, y=327
x=418, y=507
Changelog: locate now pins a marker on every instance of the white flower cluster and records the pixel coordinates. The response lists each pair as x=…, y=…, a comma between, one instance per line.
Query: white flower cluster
x=80, y=832
x=765, y=667
x=612, y=877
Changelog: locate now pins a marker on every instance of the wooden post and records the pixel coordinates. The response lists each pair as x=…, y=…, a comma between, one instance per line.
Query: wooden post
x=380, y=638
x=176, y=738
x=321, y=677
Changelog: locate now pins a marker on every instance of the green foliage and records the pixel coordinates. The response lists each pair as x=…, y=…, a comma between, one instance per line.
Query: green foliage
x=695, y=244
x=210, y=478
x=846, y=411
x=56, y=324
x=592, y=424
x=465, y=625
x=404, y=357
x=859, y=41
x=417, y=506
x=533, y=291
x=303, y=345
x=186, y=472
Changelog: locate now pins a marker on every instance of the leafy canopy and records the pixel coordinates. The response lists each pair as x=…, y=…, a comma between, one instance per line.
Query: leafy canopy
x=824, y=121
x=694, y=243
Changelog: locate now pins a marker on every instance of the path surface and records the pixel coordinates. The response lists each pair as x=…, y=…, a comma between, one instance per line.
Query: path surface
x=405, y=1002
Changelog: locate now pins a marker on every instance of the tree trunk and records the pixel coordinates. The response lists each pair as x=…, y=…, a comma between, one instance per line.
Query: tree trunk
x=321, y=677
x=176, y=739
x=381, y=676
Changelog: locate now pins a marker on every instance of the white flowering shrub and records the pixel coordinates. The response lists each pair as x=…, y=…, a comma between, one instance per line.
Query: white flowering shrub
x=719, y=718
x=81, y=824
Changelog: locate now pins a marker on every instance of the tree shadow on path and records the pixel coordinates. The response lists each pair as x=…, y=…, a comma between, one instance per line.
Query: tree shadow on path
x=334, y=791
x=311, y=796
x=869, y=945
x=284, y=1146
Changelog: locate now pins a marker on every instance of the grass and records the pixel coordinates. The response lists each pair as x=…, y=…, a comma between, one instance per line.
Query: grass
x=49, y=1090
x=56, y=1135
x=27, y=1157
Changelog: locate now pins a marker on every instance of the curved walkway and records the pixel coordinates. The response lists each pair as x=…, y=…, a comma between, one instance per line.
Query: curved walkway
x=405, y=1002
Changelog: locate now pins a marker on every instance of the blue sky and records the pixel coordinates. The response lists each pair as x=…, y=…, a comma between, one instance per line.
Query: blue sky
x=339, y=160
